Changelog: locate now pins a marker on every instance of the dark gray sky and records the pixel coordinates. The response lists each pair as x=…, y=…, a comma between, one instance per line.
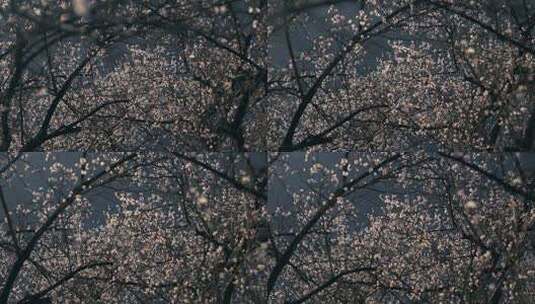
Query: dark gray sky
x=32, y=174
x=316, y=26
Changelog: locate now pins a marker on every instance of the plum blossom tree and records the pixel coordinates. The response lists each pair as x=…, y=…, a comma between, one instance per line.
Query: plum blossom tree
x=69, y=80
x=50, y=219
x=451, y=74
x=400, y=134
x=456, y=242
x=437, y=235
x=178, y=229
x=394, y=227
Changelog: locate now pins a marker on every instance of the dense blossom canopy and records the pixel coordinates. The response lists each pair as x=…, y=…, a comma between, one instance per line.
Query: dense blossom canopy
x=253, y=151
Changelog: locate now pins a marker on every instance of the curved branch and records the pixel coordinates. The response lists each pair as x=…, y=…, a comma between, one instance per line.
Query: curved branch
x=341, y=191
x=329, y=282
x=61, y=281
